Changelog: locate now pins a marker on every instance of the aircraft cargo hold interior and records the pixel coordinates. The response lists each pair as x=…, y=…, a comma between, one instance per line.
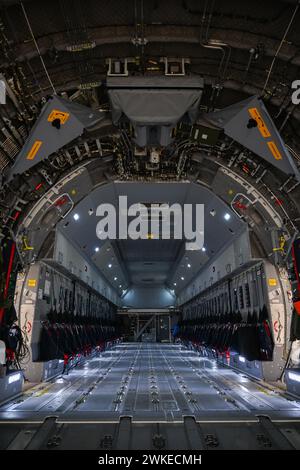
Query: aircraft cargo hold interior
x=149, y=225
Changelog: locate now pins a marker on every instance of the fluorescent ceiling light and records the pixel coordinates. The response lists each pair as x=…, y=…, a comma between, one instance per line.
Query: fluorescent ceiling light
x=76, y=216
x=227, y=216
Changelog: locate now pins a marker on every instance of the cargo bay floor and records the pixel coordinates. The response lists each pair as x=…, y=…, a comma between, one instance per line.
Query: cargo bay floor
x=151, y=396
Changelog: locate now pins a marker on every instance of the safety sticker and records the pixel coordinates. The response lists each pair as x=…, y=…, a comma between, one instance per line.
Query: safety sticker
x=31, y=282
x=261, y=125
x=274, y=150
x=34, y=150
x=56, y=114
x=272, y=282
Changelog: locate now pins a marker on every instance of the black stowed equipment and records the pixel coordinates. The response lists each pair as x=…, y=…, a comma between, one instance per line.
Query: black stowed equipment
x=59, y=340
x=251, y=339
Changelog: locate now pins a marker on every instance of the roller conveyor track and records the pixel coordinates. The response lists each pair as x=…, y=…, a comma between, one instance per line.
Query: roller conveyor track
x=148, y=388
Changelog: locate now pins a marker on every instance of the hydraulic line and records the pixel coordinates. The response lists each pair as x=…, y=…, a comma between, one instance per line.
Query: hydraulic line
x=38, y=50
x=280, y=46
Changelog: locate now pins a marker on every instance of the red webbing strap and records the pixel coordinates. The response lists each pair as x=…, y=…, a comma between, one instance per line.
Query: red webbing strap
x=9, y=269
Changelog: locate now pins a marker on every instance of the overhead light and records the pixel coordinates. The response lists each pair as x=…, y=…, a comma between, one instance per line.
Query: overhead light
x=182, y=278
x=175, y=284
x=203, y=248
x=97, y=249
x=76, y=216
x=120, y=286
x=242, y=359
x=295, y=377
x=110, y=265
x=115, y=278
x=227, y=216
x=189, y=265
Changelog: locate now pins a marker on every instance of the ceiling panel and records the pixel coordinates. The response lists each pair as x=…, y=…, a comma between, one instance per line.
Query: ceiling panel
x=146, y=262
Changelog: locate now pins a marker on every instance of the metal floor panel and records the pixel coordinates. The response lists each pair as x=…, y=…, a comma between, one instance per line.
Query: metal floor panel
x=145, y=388
x=149, y=378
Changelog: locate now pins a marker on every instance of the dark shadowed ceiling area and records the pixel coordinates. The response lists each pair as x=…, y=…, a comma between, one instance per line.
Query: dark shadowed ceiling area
x=239, y=48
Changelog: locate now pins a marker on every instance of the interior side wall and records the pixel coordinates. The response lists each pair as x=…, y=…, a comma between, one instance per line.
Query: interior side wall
x=242, y=320
x=68, y=256
x=62, y=316
x=232, y=257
